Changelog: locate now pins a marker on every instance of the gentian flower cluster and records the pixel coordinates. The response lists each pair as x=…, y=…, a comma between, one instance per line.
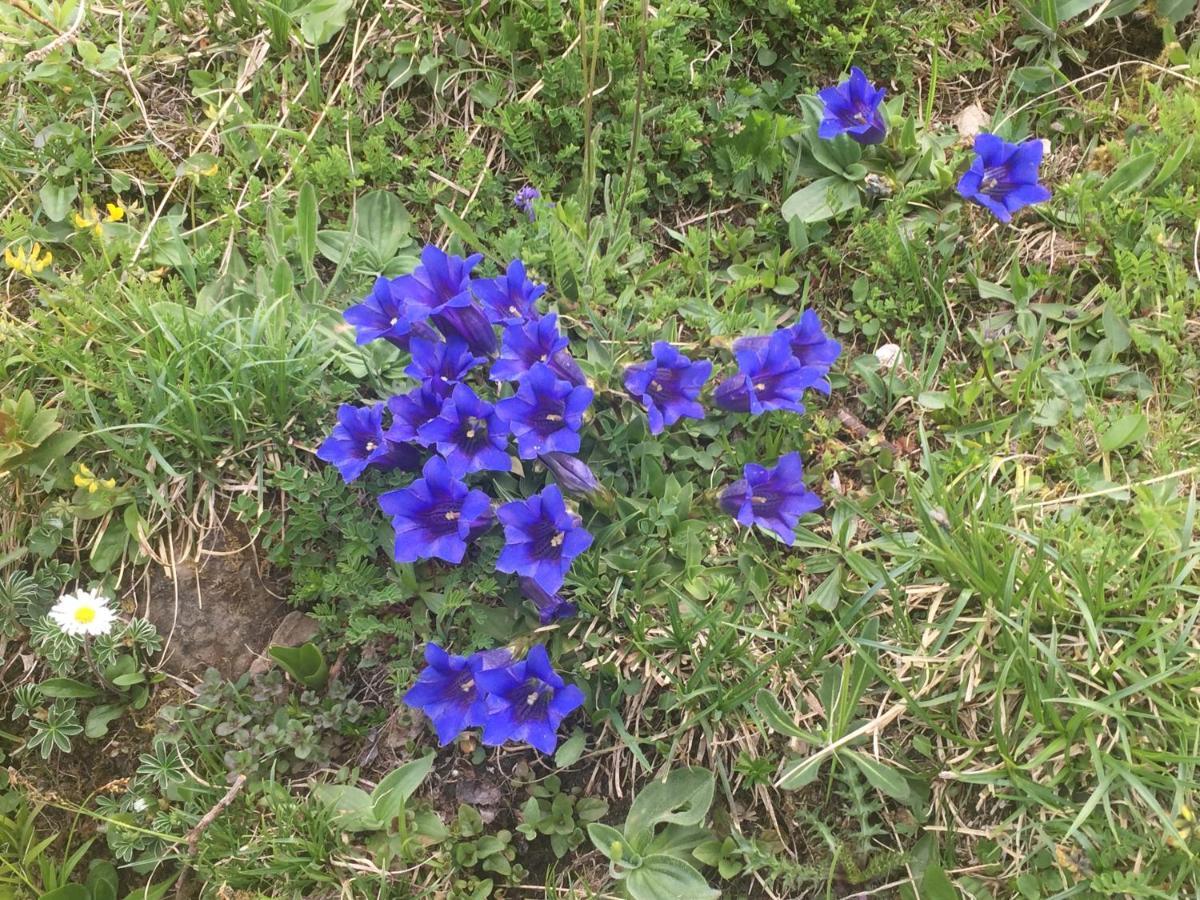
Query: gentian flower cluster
x=521, y=701
x=474, y=397
x=1003, y=177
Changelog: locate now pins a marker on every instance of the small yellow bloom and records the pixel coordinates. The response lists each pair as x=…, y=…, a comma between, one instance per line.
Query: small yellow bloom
x=85, y=479
x=88, y=221
x=28, y=264
x=116, y=212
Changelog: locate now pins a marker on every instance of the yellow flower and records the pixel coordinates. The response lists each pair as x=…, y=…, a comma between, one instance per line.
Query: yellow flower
x=88, y=221
x=28, y=264
x=85, y=479
x=116, y=212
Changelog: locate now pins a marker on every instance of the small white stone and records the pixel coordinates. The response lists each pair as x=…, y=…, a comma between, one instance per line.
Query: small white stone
x=890, y=357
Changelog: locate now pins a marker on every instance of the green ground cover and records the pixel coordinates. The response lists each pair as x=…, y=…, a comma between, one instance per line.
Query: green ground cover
x=975, y=673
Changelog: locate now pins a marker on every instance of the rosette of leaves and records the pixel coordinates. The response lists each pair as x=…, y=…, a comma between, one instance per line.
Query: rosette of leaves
x=559, y=815
x=651, y=855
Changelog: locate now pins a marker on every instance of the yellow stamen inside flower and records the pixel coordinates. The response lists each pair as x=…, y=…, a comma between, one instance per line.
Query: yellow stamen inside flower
x=554, y=417
x=557, y=540
x=532, y=698
x=452, y=516
x=85, y=615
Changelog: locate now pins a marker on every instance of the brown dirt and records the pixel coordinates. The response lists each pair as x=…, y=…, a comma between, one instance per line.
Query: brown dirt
x=220, y=612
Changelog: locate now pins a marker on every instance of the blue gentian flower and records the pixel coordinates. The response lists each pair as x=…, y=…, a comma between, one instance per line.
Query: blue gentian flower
x=541, y=538
x=527, y=702
x=469, y=434
x=546, y=413
x=1004, y=177
x=412, y=410
x=668, y=386
x=809, y=345
x=440, y=365
x=448, y=691
x=358, y=441
x=773, y=499
x=510, y=298
x=550, y=606
x=524, y=200
x=436, y=515
x=387, y=313
x=468, y=323
x=525, y=344
x=442, y=279
x=853, y=108
x=769, y=377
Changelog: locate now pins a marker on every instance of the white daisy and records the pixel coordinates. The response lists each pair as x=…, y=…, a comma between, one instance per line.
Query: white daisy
x=83, y=613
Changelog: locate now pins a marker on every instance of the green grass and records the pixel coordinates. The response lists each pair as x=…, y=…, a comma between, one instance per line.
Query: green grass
x=975, y=674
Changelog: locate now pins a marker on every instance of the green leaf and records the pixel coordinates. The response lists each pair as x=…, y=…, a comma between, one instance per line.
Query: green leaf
x=823, y=199
x=936, y=885
x=799, y=772
x=306, y=664
x=571, y=750
x=1128, y=429
x=1130, y=174
x=68, y=688
x=381, y=222
x=351, y=806
x=394, y=789
x=777, y=717
x=683, y=797
x=57, y=199
x=98, y=717
x=611, y=843
x=459, y=227
x=883, y=777
x=1175, y=11
x=67, y=892
x=102, y=880
x=662, y=877
x=322, y=19
x=307, y=222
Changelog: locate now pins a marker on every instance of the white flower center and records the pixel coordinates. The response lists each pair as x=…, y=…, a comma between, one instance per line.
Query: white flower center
x=371, y=445
x=532, y=698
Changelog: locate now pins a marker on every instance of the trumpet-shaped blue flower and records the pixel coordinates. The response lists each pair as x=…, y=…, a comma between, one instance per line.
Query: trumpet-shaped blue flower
x=440, y=365
x=469, y=434
x=524, y=200
x=773, y=499
x=1003, y=176
x=525, y=344
x=541, y=538
x=448, y=691
x=388, y=313
x=527, y=702
x=436, y=515
x=412, y=410
x=442, y=279
x=769, y=377
x=668, y=386
x=809, y=345
x=468, y=323
x=574, y=477
x=546, y=413
x=358, y=441
x=511, y=298
x=854, y=107
x=550, y=606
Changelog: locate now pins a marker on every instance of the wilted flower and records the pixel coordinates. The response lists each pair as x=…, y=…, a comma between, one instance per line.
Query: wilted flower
x=525, y=344
x=769, y=377
x=524, y=200
x=83, y=613
x=541, y=537
x=1004, y=177
x=28, y=264
x=853, y=108
x=510, y=298
x=527, y=702
x=668, y=386
x=358, y=441
x=550, y=606
x=469, y=434
x=808, y=343
x=436, y=515
x=574, y=476
x=546, y=413
x=412, y=410
x=773, y=499
x=447, y=689
x=387, y=313
x=440, y=365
